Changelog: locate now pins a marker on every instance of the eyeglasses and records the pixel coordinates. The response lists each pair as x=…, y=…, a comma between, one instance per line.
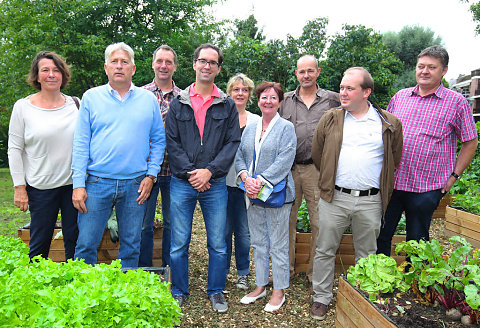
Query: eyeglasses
x=202, y=62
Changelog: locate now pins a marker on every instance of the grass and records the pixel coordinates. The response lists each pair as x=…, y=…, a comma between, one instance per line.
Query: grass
x=11, y=218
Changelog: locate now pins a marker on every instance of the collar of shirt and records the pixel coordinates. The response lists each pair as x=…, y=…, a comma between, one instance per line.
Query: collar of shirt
x=297, y=92
x=115, y=93
x=193, y=93
x=439, y=92
x=154, y=87
x=370, y=116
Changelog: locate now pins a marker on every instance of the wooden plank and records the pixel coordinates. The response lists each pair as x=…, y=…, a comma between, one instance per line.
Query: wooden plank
x=303, y=237
x=301, y=267
x=302, y=248
x=449, y=233
x=363, y=305
x=301, y=258
x=349, y=315
x=460, y=222
x=462, y=215
x=462, y=230
x=338, y=324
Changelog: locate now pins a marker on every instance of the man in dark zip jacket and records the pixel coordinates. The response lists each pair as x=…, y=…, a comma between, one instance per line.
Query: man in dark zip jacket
x=203, y=135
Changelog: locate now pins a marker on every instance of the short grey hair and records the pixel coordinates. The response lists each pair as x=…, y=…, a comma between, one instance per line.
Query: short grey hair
x=438, y=52
x=119, y=46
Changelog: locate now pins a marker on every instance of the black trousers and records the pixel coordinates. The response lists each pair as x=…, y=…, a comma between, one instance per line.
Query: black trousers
x=44, y=206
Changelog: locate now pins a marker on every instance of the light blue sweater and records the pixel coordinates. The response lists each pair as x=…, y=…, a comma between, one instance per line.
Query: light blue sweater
x=112, y=138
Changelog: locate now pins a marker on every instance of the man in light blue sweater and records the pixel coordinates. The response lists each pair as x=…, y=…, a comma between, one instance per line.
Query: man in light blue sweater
x=117, y=151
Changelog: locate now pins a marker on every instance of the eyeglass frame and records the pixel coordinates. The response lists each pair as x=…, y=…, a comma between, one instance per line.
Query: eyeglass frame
x=203, y=62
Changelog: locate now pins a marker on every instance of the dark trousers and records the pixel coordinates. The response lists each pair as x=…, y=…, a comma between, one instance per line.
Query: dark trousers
x=44, y=206
x=418, y=208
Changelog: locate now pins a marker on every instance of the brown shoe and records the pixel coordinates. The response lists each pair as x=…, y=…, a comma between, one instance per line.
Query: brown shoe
x=318, y=311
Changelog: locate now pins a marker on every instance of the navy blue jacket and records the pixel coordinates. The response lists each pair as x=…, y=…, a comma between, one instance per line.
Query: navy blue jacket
x=221, y=136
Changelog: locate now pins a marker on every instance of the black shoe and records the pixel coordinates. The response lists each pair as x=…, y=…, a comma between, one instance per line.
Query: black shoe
x=180, y=299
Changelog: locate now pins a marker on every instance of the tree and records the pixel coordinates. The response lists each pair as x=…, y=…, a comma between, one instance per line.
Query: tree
x=475, y=10
x=406, y=45
x=273, y=60
x=360, y=46
x=409, y=42
x=80, y=30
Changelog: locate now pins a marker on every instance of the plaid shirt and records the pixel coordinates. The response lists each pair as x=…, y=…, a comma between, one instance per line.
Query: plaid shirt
x=164, y=100
x=431, y=126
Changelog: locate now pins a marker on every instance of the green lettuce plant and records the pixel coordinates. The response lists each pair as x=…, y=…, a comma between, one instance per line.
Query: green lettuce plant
x=376, y=274
x=43, y=293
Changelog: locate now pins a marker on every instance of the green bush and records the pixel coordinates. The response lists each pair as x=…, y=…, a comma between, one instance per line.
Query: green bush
x=43, y=293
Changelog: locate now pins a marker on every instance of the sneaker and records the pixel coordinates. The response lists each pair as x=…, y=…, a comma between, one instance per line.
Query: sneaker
x=318, y=311
x=242, y=282
x=179, y=298
x=218, y=302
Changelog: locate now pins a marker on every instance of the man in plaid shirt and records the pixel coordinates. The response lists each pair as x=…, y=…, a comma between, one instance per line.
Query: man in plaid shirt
x=433, y=118
x=164, y=64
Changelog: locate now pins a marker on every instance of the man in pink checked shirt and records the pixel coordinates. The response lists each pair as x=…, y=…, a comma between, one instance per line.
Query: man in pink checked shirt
x=433, y=118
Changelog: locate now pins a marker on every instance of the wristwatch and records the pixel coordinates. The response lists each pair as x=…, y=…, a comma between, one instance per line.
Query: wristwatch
x=154, y=179
x=455, y=175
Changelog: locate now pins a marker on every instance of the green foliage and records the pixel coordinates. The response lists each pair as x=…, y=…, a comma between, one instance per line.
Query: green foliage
x=361, y=46
x=467, y=188
x=11, y=218
x=80, y=30
x=409, y=42
x=406, y=45
x=303, y=219
x=475, y=10
x=269, y=60
x=441, y=277
x=73, y=294
x=376, y=274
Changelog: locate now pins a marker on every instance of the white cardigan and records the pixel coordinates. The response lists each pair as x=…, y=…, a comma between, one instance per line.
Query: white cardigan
x=40, y=144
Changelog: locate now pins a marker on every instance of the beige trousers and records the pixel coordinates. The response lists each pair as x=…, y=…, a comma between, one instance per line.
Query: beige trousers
x=306, y=185
x=364, y=213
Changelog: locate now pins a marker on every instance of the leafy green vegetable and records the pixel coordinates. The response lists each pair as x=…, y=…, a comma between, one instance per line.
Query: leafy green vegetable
x=375, y=274
x=43, y=293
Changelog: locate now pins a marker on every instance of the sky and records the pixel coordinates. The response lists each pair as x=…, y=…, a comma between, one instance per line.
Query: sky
x=449, y=19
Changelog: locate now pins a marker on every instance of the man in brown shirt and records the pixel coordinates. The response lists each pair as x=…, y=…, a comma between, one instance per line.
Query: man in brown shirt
x=304, y=107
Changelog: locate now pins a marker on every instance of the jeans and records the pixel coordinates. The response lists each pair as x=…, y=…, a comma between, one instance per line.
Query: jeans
x=418, y=207
x=44, y=206
x=146, y=245
x=237, y=223
x=213, y=203
x=102, y=195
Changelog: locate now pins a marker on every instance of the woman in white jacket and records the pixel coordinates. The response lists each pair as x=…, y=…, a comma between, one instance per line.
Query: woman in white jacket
x=40, y=139
x=274, y=143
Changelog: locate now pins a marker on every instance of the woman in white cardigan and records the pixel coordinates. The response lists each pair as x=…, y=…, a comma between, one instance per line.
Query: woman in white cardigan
x=40, y=139
x=274, y=142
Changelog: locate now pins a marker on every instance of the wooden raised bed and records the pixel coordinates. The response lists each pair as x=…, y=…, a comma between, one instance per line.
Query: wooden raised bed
x=107, y=251
x=345, y=253
x=354, y=310
x=441, y=208
x=464, y=224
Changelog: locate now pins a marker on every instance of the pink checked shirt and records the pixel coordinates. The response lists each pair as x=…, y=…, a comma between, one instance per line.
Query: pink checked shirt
x=431, y=126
